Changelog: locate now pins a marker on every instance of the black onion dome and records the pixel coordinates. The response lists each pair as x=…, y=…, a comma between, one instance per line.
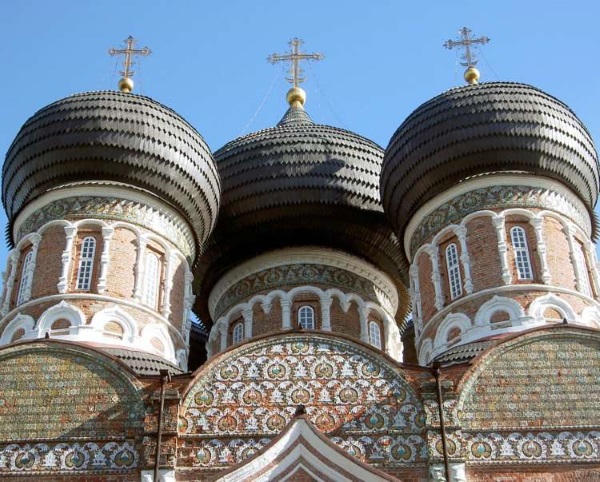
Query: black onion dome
x=299, y=184
x=485, y=128
x=115, y=137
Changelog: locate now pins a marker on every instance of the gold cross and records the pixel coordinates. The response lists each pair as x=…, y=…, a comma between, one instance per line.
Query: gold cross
x=294, y=57
x=128, y=52
x=466, y=41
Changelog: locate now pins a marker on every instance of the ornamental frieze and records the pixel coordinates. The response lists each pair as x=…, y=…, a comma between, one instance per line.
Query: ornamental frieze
x=114, y=209
x=296, y=275
x=247, y=398
x=532, y=447
x=52, y=458
x=494, y=198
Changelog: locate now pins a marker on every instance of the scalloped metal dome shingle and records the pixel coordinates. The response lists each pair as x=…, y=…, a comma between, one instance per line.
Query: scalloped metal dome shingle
x=116, y=137
x=299, y=183
x=479, y=129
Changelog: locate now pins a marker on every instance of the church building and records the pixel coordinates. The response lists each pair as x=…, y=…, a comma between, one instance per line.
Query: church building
x=425, y=312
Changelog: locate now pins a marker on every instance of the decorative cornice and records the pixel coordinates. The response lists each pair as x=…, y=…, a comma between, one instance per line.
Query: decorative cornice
x=493, y=192
x=383, y=290
x=108, y=202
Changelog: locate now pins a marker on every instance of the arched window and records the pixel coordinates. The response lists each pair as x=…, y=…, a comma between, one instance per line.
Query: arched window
x=374, y=334
x=306, y=317
x=584, y=275
x=26, y=279
x=238, y=332
x=151, y=280
x=86, y=263
x=522, y=261
x=453, y=271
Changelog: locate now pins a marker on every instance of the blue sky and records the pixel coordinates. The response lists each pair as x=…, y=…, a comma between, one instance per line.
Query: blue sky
x=383, y=58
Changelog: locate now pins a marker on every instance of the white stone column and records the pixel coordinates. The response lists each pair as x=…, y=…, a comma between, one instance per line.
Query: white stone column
x=139, y=267
x=13, y=261
x=363, y=313
x=223, y=329
x=286, y=315
x=387, y=337
x=107, y=234
x=248, y=315
x=500, y=225
x=326, y=302
x=66, y=257
x=590, y=254
x=416, y=297
x=168, y=284
x=35, y=244
x=436, y=279
x=461, y=233
x=188, y=302
x=538, y=224
x=570, y=231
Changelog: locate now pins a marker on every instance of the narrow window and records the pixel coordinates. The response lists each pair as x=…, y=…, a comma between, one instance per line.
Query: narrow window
x=584, y=275
x=86, y=263
x=375, y=334
x=238, y=333
x=306, y=317
x=453, y=271
x=522, y=261
x=26, y=278
x=151, y=280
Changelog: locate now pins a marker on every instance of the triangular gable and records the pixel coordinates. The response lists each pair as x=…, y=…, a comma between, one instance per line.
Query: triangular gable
x=301, y=449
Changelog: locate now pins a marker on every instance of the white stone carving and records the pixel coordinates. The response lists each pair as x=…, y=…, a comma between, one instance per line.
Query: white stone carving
x=67, y=255
x=538, y=224
x=107, y=234
x=433, y=252
x=20, y=321
x=499, y=224
x=551, y=301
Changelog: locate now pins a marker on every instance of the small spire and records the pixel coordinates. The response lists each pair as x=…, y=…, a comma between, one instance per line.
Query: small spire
x=471, y=74
x=126, y=83
x=296, y=96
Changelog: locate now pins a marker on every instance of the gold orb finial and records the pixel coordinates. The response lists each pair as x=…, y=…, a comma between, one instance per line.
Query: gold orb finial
x=296, y=97
x=472, y=75
x=126, y=85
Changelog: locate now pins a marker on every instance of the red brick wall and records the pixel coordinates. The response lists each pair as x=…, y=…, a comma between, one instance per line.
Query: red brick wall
x=123, y=252
x=482, y=240
x=49, y=263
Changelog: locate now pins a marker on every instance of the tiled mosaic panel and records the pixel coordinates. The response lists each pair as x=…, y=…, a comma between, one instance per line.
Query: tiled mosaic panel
x=68, y=457
x=535, y=447
x=250, y=395
x=550, y=383
x=49, y=394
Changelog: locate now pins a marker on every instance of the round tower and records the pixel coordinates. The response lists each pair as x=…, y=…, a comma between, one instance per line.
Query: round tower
x=491, y=189
x=301, y=241
x=108, y=196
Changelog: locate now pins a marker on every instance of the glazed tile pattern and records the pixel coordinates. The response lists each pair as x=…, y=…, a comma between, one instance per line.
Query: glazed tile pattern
x=46, y=458
x=295, y=275
x=249, y=395
x=110, y=208
x=66, y=409
x=497, y=197
x=550, y=383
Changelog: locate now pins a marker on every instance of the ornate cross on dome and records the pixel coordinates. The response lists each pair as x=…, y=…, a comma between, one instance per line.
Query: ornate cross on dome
x=126, y=84
x=294, y=57
x=466, y=41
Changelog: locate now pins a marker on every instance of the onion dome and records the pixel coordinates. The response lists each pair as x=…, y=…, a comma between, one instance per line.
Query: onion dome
x=113, y=137
x=299, y=184
x=480, y=129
